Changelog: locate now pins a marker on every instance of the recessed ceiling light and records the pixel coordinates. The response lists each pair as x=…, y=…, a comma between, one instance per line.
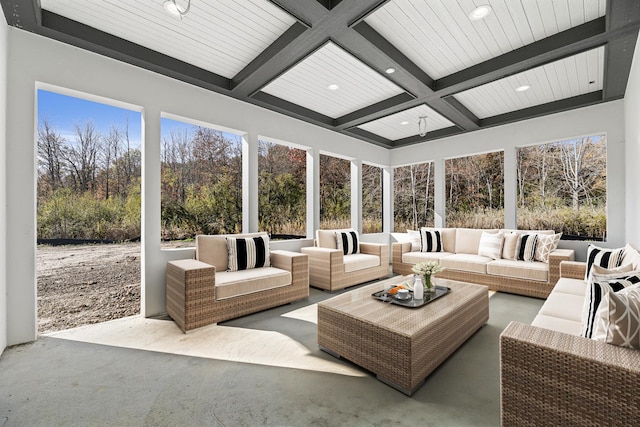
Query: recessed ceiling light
x=404, y=123
x=523, y=88
x=480, y=12
x=390, y=70
x=333, y=87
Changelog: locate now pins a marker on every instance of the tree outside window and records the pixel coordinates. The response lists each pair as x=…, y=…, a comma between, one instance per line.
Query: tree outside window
x=413, y=190
x=201, y=181
x=563, y=186
x=335, y=192
x=371, y=199
x=475, y=191
x=282, y=190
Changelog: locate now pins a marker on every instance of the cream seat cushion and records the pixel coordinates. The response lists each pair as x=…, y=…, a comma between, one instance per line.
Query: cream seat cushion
x=557, y=324
x=466, y=262
x=416, y=257
x=519, y=269
x=355, y=262
x=235, y=283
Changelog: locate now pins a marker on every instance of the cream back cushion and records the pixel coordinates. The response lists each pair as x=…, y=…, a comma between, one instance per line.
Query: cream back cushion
x=468, y=240
x=212, y=249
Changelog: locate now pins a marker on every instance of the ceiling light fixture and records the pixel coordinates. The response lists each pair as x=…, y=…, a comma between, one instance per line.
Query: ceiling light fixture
x=333, y=87
x=404, y=123
x=480, y=12
x=390, y=70
x=422, y=125
x=523, y=88
x=176, y=10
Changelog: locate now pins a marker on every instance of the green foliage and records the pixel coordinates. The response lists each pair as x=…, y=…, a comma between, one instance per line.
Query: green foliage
x=68, y=215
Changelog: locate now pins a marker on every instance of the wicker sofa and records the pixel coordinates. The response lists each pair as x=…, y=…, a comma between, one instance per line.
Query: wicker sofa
x=550, y=375
x=460, y=258
x=201, y=291
x=330, y=269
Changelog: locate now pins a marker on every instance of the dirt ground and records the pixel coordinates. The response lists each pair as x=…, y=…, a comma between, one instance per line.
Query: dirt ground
x=85, y=284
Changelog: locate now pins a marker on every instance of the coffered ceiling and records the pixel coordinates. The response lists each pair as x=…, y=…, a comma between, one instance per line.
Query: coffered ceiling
x=327, y=61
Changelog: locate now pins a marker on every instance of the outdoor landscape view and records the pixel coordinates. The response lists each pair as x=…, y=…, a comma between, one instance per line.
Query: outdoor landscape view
x=89, y=192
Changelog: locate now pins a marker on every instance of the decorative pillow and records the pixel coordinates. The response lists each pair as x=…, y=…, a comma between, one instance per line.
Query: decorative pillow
x=631, y=256
x=607, y=258
x=526, y=249
x=601, y=274
x=246, y=253
x=510, y=245
x=430, y=240
x=546, y=244
x=594, y=296
x=347, y=242
x=618, y=318
x=414, y=237
x=491, y=245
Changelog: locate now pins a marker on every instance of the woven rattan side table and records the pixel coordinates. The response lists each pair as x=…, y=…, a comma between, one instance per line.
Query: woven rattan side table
x=190, y=293
x=402, y=346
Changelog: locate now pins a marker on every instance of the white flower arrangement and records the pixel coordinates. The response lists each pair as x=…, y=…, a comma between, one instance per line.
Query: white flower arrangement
x=427, y=268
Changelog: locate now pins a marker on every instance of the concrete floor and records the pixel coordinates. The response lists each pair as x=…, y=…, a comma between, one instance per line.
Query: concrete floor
x=263, y=369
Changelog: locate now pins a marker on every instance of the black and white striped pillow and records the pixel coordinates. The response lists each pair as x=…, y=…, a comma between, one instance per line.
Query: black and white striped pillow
x=526, y=249
x=595, y=295
x=246, y=253
x=430, y=240
x=347, y=242
x=607, y=258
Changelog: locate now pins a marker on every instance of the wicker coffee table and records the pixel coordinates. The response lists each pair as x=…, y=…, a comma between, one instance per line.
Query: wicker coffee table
x=401, y=345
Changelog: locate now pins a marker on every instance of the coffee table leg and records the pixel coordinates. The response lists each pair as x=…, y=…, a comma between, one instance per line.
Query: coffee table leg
x=331, y=352
x=398, y=387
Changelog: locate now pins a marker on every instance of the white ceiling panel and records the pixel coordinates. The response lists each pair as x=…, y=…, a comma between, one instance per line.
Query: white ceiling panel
x=222, y=36
x=439, y=36
x=307, y=83
x=568, y=77
x=405, y=123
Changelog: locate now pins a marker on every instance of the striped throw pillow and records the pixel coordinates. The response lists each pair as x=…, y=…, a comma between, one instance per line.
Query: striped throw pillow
x=491, y=245
x=596, y=293
x=526, y=249
x=607, y=258
x=246, y=253
x=430, y=240
x=347, y=242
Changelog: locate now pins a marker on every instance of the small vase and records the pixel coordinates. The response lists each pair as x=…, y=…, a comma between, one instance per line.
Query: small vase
x=428, y=286
x=418, y=288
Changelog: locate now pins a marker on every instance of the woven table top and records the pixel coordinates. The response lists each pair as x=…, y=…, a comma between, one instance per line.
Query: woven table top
x=360, y=305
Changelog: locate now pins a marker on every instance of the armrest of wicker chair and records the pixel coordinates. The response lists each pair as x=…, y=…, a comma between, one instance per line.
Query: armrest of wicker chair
x=190, y=291
x=294, y=262
x=573, y=269
x=378, y=249
x=555, y=258
x=552, y=378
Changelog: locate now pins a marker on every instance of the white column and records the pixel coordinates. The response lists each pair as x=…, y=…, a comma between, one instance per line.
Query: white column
x=387, y=199
x=356, y=194
x=249, y=183
x=152, y=295
x=440, y=196
x=510, y=188
x=313, y=192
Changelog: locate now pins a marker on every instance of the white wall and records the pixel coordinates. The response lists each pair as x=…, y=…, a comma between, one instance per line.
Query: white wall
x=3, y=182
x=632, y=150
x=602, y=118
x=36, y=60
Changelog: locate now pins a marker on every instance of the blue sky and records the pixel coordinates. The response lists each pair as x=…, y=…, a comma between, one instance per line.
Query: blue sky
x=64, y=112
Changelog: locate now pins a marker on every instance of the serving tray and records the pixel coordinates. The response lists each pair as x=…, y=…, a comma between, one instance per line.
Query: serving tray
x=410, y=302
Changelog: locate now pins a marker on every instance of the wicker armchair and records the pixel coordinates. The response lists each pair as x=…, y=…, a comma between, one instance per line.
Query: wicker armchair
x=328, y=266
x=553, y=378
x=195, y=299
